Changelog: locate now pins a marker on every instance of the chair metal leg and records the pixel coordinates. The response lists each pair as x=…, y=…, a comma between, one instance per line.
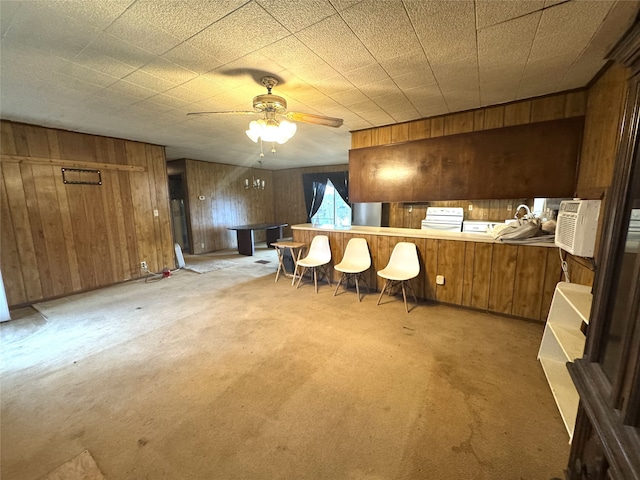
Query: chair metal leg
x=300, y=277
x=383, y=289
x=413, y=292
x=357, y=288
x=315, y=278
x=404, y=296
x=338, y=286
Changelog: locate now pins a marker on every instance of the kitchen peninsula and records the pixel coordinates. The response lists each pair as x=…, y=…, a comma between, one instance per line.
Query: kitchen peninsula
x=479, y=272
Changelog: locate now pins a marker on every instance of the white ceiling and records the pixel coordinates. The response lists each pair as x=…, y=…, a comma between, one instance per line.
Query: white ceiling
x=134, y=68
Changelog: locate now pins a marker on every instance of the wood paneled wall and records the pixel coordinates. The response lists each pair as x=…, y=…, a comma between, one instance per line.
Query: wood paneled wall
x=289, y=194
x=515, y=280
x=62, y=238
x=226, y=203
x=603, y=120
x=552, y=107
x=408, y=215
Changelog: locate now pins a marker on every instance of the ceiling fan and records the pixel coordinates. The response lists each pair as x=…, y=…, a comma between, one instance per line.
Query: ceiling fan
x=272, y=105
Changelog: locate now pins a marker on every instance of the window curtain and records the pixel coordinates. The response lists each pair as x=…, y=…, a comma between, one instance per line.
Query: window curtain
x=314, y=185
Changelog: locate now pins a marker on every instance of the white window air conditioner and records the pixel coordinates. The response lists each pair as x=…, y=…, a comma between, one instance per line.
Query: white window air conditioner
x=577, y=225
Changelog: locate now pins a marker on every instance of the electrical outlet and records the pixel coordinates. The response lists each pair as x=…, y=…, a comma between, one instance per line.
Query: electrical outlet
x=202, y=245
x=143, y=266
x=439, y=279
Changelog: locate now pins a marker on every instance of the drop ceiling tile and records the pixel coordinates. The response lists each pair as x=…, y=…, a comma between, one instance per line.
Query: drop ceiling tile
x=36, y=27
x=130, y=90
x=393, y=102
x=367, y=109
x=295, y=57
x=349, y=97
x=446, y=29
x=419, y=93
x=413, y=80
x=500, y=74
x=407, y=64
x=323, y=104
x=169, y=71
x=457, y=76
x=250, y=69
x=569, y=24
x=295, y=15
x=492, y=12
x=106, y=48
x=580, y=73
x=146, y=80
x=366, y=75
x=333, y=85
x=334, y=42
x=133, y=29
x=531, y=90
x=406, y=116
x=379, y=89
x=381, y=120
x=203, y=85
x=618, y=20
x=167, y=101
x=174, y=18
x=342, y=5
x=383, y=27
x=7, y=12
x=185, y=94
x=229, y=39
x=507, y=44
x=82, y=73
x=549, y=67
x=298, y=90
x=192, y=58
x=463, y=100
x=95, y=13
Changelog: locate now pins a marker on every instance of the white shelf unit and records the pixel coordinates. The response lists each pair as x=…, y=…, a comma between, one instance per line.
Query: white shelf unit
x=562, y=342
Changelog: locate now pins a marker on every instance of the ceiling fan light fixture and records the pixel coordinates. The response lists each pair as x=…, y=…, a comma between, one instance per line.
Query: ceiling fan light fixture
x=270, y=130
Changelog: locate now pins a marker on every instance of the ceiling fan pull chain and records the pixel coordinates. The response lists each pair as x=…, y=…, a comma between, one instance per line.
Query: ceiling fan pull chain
x=261, y=152
x=273, y=148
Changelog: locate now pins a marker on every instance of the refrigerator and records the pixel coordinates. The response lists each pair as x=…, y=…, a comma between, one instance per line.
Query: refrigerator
x=369, y=214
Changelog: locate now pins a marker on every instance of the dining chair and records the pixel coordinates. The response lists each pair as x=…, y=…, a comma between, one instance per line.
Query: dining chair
x=355, y=262
x=317, y=259
x=403, y=266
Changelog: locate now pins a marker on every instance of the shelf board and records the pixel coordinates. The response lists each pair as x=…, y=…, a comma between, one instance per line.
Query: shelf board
x=570, y=340
x=578, y=296
x=564, y=392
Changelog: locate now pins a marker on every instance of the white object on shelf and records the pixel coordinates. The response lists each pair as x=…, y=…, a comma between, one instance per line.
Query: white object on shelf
x=563, y=342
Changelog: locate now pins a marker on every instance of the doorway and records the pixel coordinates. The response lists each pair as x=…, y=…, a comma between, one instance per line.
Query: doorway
x=178, y=200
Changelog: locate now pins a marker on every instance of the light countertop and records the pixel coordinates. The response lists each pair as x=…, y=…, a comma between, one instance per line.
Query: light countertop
x=417, y=233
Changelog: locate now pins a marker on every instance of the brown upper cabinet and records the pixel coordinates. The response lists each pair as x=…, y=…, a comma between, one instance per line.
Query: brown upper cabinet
x=533, y=160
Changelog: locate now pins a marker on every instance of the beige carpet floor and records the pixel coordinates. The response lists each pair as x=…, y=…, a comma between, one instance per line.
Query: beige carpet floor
x=229, y=375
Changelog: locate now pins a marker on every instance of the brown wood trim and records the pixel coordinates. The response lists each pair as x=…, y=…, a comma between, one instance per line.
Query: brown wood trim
x=621, y=442
x=23, y=159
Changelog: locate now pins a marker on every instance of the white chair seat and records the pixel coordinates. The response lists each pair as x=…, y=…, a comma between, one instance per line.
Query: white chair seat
x=356, y=260
x=403, y=266
x=318, y=257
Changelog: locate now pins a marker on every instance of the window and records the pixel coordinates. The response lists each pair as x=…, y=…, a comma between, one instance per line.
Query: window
x=333, y=209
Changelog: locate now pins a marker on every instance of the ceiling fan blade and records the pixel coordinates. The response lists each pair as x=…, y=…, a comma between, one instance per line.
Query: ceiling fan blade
x=224, y=113
x=316, y=119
